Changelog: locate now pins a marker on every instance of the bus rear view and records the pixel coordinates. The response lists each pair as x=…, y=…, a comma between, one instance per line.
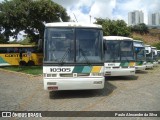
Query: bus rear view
x=73, y=56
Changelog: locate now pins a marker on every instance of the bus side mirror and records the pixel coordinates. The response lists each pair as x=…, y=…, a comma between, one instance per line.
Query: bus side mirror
x=137, y=50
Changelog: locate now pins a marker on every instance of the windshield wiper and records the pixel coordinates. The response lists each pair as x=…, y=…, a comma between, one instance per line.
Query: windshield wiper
x=64, y=56
x=52, y=55
x=85, y=57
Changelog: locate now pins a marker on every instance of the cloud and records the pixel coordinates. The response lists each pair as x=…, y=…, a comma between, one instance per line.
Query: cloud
x=112, y=9
x=84, y=9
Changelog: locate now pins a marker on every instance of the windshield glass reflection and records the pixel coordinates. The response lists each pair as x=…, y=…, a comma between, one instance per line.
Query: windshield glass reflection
x=118, y=50
x=70, y=45
x=140, y=53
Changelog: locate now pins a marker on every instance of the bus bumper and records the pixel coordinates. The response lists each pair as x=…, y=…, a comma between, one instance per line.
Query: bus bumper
x=155, y=64
x=143, y=67
x=57, y=84
x=149, y=65
x=120, y=72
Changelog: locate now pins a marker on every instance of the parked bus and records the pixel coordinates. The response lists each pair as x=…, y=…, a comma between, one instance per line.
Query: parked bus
x=155, y=57
x=149, y=56
x=158, y=54
x=119, y=56
x=140, y=55
x=17, y=54
x=73, y=56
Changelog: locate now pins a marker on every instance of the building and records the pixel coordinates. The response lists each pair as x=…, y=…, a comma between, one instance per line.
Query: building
x=154, y=19
x=135, y=17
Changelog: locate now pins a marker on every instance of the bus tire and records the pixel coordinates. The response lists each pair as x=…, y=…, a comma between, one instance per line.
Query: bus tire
x=30, y=63
x=22, y=63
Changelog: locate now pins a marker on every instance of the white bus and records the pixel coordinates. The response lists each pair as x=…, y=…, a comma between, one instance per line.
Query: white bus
x=158, y=55
x=140, y=55
x=73, y=56
x=119, y=56
x=155, y=57
x=149, y=56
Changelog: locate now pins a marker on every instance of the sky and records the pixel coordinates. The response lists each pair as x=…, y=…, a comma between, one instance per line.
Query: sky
x=87, y=10
x=112, y=9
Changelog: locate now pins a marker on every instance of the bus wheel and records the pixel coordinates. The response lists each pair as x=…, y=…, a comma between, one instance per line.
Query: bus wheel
x=22, y=63
x=30, y=63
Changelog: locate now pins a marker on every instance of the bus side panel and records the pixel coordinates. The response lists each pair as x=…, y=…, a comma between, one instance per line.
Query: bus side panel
x=14, y=58
x=37, y=58
x=9, y=58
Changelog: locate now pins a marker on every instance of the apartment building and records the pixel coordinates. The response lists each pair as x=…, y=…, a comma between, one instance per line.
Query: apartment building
x=135, y=17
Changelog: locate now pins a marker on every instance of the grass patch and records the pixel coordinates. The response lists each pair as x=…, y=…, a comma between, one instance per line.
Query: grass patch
x=34, y=70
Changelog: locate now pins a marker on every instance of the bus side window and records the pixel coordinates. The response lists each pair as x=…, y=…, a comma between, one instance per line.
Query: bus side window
x=3, y=50
x=15, y=50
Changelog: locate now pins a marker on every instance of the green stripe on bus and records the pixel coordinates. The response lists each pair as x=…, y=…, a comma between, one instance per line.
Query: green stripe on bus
x=139, y=63
x=124, y=64
x=2, y=60
x=78, y=69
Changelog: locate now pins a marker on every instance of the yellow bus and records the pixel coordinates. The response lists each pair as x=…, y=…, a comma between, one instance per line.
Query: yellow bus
x=17, y=54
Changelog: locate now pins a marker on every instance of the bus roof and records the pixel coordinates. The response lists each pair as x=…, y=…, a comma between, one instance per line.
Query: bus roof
x=116, y=38
x=15, y=45
x=147, y=45
x=153, y=47
x=138, y=41
x=72, y=24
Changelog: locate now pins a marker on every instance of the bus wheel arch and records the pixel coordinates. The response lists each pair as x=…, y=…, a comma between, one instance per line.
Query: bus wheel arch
x=30, y=63
x=22, y=63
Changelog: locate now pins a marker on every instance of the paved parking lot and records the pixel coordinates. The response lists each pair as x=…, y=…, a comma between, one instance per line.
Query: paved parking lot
x=20, y=92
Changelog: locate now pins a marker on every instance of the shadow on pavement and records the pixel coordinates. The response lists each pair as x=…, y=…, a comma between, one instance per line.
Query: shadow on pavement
x=123, y=78
x=107, y=90
x=141, y=72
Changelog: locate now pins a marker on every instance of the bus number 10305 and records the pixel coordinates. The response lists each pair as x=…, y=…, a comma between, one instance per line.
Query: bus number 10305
x=60, y=69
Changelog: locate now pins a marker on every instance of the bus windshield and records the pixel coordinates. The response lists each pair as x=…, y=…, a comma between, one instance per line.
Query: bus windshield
x=149, y=57
x=116, y=50
x=155, y=57
x=73, y=45
x=140, y=53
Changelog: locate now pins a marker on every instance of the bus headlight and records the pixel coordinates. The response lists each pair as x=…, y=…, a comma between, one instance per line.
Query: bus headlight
x=51, y=83
x=97, y=82
x=49, y=75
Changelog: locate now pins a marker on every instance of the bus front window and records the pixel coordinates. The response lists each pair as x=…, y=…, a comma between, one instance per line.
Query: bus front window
x=59, y=45
x=112, y=51
x=88, y=45
x=73, y=45
x=140, y=53
x=127, y=52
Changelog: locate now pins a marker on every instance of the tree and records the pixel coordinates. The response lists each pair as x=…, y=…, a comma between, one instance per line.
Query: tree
x=140, y=28
x=29, y=16
x=157, y=45
x=114, y=27
x=2, y=39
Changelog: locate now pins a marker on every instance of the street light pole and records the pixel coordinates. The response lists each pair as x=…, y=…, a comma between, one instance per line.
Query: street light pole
x=90, y=18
